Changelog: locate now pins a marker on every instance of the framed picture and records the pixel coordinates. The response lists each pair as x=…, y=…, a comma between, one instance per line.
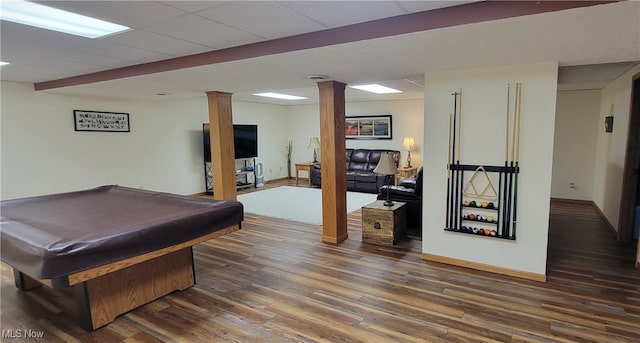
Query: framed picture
x=368, y=127
x=101, y=121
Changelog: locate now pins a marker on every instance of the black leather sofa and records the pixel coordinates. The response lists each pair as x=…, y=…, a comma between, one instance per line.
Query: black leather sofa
x=409, y=191
x=360, y=164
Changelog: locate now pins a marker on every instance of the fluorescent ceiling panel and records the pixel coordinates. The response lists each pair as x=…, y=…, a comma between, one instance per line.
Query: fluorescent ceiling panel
x=281, y=96
x=3, y=63
x=33, y=14
x=376, y=88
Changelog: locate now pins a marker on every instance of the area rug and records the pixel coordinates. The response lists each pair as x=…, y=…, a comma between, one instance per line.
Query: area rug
x=297, y=203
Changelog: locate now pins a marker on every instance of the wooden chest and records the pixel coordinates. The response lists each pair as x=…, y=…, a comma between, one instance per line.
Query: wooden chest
x=383, y=224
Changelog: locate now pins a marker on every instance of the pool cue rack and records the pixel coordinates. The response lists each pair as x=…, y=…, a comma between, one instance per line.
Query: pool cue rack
x=459, y=219
x=459, y=215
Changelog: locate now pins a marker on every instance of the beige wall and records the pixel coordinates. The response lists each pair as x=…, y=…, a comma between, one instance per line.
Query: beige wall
x=576, y=133
x=483, y=140
x=407, y=120
x=41, y=152
x=611, y=147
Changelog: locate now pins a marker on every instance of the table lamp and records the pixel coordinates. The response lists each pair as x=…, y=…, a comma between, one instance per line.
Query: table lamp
x=314, y=144
x=386, y=166
x=408, y=143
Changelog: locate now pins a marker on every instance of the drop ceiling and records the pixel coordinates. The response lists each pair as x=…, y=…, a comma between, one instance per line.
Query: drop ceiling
x=593, y=46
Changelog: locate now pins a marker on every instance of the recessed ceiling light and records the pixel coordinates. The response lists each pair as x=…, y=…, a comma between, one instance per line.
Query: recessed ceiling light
x=281, y=96
x=376, y=88
x=3, y=63
x=33, y=14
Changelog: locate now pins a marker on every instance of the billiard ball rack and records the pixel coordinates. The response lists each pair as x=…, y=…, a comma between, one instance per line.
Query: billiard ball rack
x=470, y=215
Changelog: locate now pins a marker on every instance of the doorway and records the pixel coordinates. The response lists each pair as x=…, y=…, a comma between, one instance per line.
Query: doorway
x=631, y=174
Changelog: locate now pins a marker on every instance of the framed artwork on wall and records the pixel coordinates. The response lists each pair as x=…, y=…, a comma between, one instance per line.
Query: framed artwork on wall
x=368, y=127
x=101, y=121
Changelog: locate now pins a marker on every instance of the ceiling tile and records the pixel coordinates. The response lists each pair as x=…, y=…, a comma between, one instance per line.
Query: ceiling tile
x=193, y=6
x=419, y=6
x=266, y=19
x=340, y=13
x=158, y=43
x=195, y=29
x=30, y=73
x=60, y=59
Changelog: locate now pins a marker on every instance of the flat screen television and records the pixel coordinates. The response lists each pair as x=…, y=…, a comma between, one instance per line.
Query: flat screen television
x=245, y=140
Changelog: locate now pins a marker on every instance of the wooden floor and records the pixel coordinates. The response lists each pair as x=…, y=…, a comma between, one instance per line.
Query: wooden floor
x=275, y=281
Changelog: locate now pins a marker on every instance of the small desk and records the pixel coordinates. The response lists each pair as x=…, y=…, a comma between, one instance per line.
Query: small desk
x=405, y=173
x=304, y=166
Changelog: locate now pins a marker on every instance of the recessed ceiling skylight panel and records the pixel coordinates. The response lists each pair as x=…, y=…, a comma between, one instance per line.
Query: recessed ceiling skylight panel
x=376, y=88
x=280, y=96
x=45, y=17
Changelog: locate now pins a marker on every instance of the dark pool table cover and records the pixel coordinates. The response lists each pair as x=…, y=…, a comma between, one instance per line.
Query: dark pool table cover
x=55, y=235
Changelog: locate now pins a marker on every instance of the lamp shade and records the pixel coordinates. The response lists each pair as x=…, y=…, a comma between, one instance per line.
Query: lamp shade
x=314, y=143
x=408, y=143
x=386, y=165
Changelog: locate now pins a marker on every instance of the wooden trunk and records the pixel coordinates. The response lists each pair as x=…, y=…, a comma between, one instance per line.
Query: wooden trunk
x=383, y=224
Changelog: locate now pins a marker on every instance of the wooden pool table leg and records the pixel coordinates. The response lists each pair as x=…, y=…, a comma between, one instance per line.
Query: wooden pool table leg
x=24, y=282
x=102, y=299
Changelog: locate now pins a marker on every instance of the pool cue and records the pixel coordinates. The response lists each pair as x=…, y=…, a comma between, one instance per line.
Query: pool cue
x=449, y=185
x=512, y=162
x=460, y=171
x=454, y=196
x=507, y=233
x=503, y=192
x=516, y=127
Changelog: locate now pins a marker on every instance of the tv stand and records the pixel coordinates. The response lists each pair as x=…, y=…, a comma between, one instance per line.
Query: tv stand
x=208, y=178
x=246, y=178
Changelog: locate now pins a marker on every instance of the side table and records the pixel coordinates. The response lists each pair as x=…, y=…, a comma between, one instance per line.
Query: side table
x=304, y=166
x=405, y=172
x=383, y=224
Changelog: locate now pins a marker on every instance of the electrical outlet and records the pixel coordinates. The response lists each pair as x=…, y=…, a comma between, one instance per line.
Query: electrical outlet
x=572, y=185
x=270, y=171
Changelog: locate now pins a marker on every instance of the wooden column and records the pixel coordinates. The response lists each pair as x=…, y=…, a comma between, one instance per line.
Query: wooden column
x=332, y=152
x=223, y=163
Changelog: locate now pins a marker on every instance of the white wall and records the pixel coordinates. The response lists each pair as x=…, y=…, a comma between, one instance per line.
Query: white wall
x=577, y=124
x=483, y=143
x=407, y=120
x=41, y=153
x=611, y=147
x=273, y=130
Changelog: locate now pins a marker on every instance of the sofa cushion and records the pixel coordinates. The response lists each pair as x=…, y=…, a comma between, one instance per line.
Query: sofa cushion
x=367, y=187
x=359, y=160
x=351, y=185
x=398, y=191
x=351, y=175
x=418, y=186
x=374, y=158
x=366, y=176
x=408, y=183
x=348, y=156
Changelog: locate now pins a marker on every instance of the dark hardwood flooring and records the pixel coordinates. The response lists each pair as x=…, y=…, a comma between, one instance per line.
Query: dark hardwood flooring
x=275, y=281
